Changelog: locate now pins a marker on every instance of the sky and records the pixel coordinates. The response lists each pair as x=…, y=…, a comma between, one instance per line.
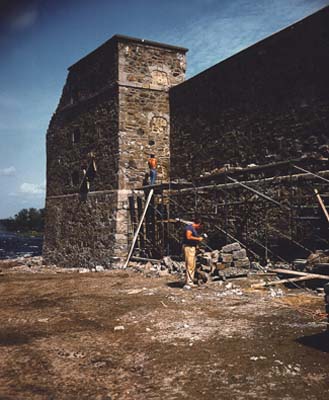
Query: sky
x=40, y=39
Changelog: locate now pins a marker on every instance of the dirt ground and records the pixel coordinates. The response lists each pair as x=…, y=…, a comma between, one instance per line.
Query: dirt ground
x=120, y=335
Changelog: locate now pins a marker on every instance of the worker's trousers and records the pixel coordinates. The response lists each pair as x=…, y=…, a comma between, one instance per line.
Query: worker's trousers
x=153, y=176
x=190, y=263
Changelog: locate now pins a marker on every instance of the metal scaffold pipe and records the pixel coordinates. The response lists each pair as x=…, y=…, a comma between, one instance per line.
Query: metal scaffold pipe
x=264, y=196
x=311, y=173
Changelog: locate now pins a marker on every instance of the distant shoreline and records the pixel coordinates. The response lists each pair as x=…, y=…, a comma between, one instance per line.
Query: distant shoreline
x=20, y=244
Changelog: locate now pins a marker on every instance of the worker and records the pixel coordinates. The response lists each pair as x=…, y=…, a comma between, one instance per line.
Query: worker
x=152, y=162
x=190, y=243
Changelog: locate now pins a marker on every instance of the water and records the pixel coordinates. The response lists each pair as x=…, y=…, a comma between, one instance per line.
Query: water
x=13, y=245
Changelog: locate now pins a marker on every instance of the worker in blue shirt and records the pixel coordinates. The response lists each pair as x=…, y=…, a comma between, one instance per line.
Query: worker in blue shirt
x=190, y=241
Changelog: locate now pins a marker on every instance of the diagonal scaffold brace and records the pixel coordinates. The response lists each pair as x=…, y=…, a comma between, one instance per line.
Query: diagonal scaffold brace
x=149, y=197
x=260, y=194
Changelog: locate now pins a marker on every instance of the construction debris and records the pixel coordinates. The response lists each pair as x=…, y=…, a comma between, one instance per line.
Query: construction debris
x=301, y=276
x=229, y=262
x=231, y=255
x=158, y=268
x=232, y=262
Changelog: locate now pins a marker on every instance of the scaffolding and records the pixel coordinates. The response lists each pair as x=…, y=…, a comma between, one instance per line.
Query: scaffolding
x=270, y=210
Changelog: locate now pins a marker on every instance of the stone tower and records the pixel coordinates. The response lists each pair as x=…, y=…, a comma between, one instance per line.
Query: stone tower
x=113, y=112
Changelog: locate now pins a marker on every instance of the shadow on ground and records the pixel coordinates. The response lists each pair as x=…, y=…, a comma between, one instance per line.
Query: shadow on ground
x=175, y=285
x=319, y=341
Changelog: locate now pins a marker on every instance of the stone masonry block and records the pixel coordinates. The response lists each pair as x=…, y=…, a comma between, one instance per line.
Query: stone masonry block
x=239, y=254
x=244, y=263
x=227, y=258
x=229, y=248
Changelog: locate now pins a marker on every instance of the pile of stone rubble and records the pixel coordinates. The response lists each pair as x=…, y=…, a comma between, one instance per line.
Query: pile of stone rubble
x=162, y=267
x=23, y=264
x=229, y=262
x=232, y=255
x=37, y=264
x=315, y=263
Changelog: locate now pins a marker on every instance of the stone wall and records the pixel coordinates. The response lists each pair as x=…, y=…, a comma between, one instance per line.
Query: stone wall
x=267, y=103
x=150, y=65
x=74, y=133
x=146, y=72
x=81, y=231
x=144, y=129
x=91, y=75
x=114, y=106
x=81, y=234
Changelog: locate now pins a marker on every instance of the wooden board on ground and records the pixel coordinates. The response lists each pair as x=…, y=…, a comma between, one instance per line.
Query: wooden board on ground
x=297, y=273
x=302, y=276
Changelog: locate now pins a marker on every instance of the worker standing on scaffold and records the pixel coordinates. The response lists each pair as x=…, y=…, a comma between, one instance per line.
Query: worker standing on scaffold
x=152, y=162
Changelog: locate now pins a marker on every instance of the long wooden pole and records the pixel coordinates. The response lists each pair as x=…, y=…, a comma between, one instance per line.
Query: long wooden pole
x=300, y=276
x=287, y=280
x=297, y=273
x=321, y=204
x=139, y=227
x=277, y=179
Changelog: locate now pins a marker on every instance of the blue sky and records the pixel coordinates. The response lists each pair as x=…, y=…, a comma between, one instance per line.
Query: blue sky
x=39, y=39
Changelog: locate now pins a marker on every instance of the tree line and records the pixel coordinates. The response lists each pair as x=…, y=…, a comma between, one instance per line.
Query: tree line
x=26, y=220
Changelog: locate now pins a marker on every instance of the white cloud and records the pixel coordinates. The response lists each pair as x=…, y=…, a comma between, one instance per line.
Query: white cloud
x=32, y=188
x=24, y=20
x=214, y=37
x=9, y=171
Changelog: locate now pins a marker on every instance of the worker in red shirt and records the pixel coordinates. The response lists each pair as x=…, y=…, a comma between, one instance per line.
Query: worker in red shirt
x=152, y=162
x=190, y=241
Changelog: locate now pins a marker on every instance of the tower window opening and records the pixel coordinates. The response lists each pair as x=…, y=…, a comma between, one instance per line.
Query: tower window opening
x=76, y=136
